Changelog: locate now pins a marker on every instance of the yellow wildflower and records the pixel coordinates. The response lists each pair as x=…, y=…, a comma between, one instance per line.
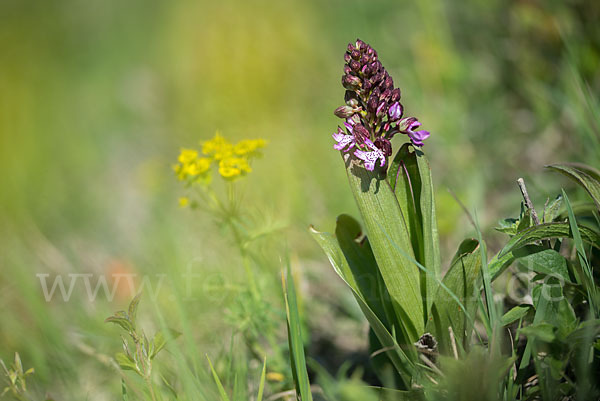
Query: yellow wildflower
x=187, y=155
x=184, y=201
x=248, y=147
x=233, y=167
x=218, y=147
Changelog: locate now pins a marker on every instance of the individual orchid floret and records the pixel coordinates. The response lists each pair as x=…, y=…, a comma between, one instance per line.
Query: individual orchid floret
x=344, y=142
x=371, y=157
x=408, y=126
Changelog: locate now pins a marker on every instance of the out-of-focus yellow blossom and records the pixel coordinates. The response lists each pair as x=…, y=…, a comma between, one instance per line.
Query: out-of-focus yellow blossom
x=218, y=148
x=187, y=156
x=184, y=201
x=233, y=167
x=275, y=376
x=190, y=165
x=248, y=147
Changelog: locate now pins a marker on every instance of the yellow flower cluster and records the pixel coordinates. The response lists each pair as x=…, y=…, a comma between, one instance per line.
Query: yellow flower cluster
x=233, y=161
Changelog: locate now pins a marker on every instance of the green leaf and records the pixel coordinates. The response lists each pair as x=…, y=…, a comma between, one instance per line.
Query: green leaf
x=133, y=306
x=385, y=224
x=548, y=230
x=222, y=392
x=261, y=386
x=401, y=361
x=158, y=343
x=507, y=226
x=460, y=291
x=542, y=260
x=126, y=362
x=296, y=343
x=584, y=272
x=516, y=313
x=361, y=271
x=541, y=331
x=552, y=210
x=586, y=176
x=121, y=321
x=410, y=178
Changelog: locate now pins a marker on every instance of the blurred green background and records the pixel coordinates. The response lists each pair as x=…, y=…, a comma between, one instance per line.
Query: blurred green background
x=96, y=99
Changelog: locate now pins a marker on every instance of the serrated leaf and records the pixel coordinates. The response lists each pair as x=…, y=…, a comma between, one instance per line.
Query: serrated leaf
x=515, y=314
x=460, y=290
x=546, y=231
x=384, y=223
x=586, y=176
x=542, y=260
x=126, y=362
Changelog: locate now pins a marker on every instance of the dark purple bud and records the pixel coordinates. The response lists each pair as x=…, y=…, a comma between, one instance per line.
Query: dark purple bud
x=347, y=69
x=372, y=103
x=361, y=45
x=367, y=85
x=366, y=70
x=384, y=145
x=395, y=112
x=355, y=54
x=360, y=133
x=351, y=47
x=376, y=93
x=376, y=66
x=370, y=51
x=347, y=57
x=344, y=112
x=354, y=65
x=389, y=83
x=381, y=109
x=395, y=95
x=364, y=60
x=351, y=82
x=377, y=78
x=386, y=95
x=351, y=99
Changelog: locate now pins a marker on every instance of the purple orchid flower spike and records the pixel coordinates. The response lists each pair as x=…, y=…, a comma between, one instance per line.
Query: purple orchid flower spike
x=370, y=157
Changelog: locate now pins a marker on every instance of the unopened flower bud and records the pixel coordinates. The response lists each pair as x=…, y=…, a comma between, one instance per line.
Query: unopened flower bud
x=384, y=145
x=395, y=111
x=381, y=109
x=372, y=103
x=360, y=133
x=344, y=112
x=395, y=95
x=347, y=57
x=351, y=81
x=347, y=69
x=355, y=54
x=354, y=65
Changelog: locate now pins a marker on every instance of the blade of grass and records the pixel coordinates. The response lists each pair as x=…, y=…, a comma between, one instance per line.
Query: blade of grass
x=298, y=359
x=222, y=392
x=261, y=386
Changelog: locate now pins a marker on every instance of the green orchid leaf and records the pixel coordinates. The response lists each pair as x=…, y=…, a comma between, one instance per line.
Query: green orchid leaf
x=385, y=223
